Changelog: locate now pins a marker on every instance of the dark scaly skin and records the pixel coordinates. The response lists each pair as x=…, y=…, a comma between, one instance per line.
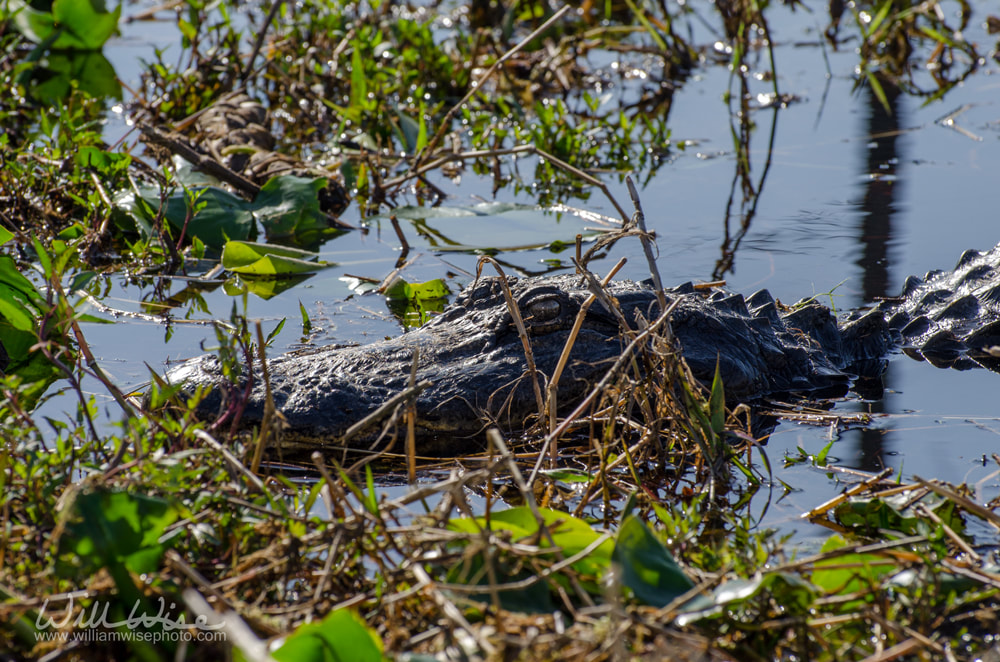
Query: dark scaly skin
x=474, y=359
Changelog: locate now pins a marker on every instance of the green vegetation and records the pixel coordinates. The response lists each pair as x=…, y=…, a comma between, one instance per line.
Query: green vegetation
x=642, y=545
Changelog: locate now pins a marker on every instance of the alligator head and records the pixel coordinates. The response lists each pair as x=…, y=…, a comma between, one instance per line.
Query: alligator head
x=473, y=357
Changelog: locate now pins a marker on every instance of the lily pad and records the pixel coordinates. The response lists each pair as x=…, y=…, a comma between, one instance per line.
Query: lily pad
x=253, y=259
x=508, y=226
x=264, y=288
x=413, y=303
x=289, y=206
x=108, y=527
x=286, y=206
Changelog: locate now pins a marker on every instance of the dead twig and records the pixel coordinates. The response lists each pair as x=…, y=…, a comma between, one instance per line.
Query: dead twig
x=515, y=314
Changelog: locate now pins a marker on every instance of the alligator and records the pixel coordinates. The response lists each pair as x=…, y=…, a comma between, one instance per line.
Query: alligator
x=473, y=358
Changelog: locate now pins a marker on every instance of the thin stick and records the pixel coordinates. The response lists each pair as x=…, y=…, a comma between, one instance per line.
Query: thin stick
x=496, y=439
x=178, y=144
x=338, y=497
x=270, y=411
x=231, y=460
x=564, y=357
x=384, y=410
x=647, y=242
x=515, y=313
x=402, y=237
x=411, y=424
x=601, y=385
x=446, y=121
x=259, y=42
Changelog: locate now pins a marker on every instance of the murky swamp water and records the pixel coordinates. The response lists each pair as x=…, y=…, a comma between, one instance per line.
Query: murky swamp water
x=854, y=199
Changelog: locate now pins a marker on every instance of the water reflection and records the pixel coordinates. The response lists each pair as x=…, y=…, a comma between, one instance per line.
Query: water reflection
x=881, y=189
x=744, y=193
x=875, y=237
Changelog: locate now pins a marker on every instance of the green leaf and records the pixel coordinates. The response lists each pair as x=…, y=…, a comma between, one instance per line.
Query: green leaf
x=65, y=71
x=568, y=475
x=265, y=288
x=253, y=259
x=432, y=289
x=879, y=17
x=21, y=306
x=222, y=217
x=647, y=567
x=414, y=132
x=877, y=90
x=98, y=159
x=15, y=310
x=87, y=23
x=289, y=206
x=108, y=528
x=413, y=303
x=717, y=404
x=285, y=206
x=359, y=81
x=12, y=277
x=850, y=574
x=898, y=513
x=823, y=454
x=569, y=534
x=371, y=498
x=77, y=24
x=306, y=322
x=342, y=636
x=5, y=235
x=793, y=593
x=274, y=333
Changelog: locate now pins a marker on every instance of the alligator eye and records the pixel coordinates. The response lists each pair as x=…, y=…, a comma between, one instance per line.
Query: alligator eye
x=544, y=310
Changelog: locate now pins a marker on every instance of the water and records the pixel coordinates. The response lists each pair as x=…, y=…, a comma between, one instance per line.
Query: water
x=854, y=199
